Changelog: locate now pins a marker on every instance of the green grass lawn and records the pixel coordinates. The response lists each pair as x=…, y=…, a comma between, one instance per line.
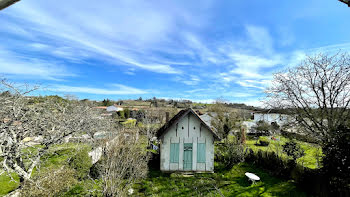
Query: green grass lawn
x=7, y=184
x=226, y=182
x=309, y=160
x=56, y=157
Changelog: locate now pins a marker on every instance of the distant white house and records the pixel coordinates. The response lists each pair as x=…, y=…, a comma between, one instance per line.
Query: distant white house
x=187, y=144
x=280, y=119
x=113, y=108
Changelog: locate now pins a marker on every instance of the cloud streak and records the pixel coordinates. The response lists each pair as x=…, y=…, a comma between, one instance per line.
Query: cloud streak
x=118, y=89
x=15, y=64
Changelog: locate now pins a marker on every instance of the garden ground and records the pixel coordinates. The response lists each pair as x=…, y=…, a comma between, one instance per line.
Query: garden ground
x=311, y=159
x=221, y=183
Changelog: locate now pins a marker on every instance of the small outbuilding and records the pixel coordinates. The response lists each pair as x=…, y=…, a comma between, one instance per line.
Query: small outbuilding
x=186, y=143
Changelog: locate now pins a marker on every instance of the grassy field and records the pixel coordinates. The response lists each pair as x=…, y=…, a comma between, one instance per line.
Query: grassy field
x=55, y=158
x=224, y=182
x=309, y=160
x=7, y=184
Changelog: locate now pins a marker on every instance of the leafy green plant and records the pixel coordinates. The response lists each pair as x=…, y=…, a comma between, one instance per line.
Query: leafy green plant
x=121, y=114
x=127, y=113
x=81, y=162
x=263, y=142
x=86, y=188
x=230, y=152
x=293, y=149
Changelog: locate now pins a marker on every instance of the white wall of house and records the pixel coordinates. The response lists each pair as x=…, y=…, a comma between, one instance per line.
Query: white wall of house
x=189, y=130
x=280, y=119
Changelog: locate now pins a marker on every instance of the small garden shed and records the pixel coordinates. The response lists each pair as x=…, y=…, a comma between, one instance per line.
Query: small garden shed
x=187, y=143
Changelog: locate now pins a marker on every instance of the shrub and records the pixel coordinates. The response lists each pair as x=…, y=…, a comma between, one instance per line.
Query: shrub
x=262, y=126
x=96, y=169
x=293, y=149
x=274, y=127
x=230, y=152
x=337, y=161
x=86, y=188
x=51, y=182
x=81, y=162
x=127, y=113
x=263, y=142
x=121, y=114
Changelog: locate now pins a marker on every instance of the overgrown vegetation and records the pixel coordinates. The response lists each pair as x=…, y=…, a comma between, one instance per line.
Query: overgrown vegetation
x=313, y=153
x=229, y=152
x=225, y=182
x=293, y=150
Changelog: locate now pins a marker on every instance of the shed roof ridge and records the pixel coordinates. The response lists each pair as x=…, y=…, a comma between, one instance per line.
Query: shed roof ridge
x=178, y=117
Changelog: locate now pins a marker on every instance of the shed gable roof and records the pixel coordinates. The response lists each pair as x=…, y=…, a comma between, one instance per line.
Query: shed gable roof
x=178, y=117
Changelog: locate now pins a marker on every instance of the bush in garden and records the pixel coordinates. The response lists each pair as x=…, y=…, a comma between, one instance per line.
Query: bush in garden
x=127, y=113
x=85, y=188
x=230, y=152
x=81, y=162
x=274, y=127
x=121, y=114
x=51, y=182
x=263, y=142
x=336, y=162
x=262, y=128
x=96, y=169
x=293, y=149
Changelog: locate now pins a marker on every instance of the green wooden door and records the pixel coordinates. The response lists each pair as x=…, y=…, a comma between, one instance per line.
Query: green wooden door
x=187, y=156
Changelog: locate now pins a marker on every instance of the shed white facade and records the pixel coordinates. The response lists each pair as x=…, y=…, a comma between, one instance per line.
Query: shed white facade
x=187, y=144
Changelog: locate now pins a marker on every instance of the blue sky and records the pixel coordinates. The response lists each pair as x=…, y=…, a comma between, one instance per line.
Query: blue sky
x=167, y=49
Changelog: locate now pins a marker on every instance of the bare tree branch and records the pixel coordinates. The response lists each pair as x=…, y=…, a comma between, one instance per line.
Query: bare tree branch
x=317, y=92
x=7, y=3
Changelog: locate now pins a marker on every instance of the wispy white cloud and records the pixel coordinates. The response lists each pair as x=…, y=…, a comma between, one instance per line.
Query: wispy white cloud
x=196, y=90
x=191, y=80
x=254, y=102
x=119, y=35
x=207, y=56
x=259, y=84
x=259, y=38
x=14, y=64
x=208, y=101
x=117, y=89
x=251, y=66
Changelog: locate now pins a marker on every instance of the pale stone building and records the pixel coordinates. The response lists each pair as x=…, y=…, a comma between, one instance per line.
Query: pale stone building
x=187, y=144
